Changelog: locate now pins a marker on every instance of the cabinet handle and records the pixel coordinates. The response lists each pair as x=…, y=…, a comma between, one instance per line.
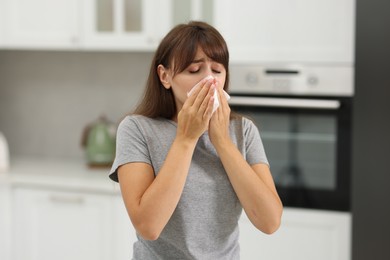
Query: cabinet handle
x=285, y=102
x=68, y=200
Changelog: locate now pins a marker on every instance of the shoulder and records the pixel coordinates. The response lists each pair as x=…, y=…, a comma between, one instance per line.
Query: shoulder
x=243, y=123
x=141, y=121
x=146, y=126
x=134, y=119
x=129, y=123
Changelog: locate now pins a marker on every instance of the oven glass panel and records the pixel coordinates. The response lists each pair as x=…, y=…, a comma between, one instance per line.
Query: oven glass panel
x=301, y=148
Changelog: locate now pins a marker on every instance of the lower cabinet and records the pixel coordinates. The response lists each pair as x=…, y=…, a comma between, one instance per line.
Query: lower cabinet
x=51, y=224
x=46, y=224
x=5, y=221
x=303, y=235
x=123, y=232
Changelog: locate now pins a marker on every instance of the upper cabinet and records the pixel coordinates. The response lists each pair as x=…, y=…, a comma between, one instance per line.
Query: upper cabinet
x=287, y=30
x=2, y=22
x=314, y=31
x=184, y=11
x=86, y=24
x=42, y=23
x=125, y=24
x=135, y=25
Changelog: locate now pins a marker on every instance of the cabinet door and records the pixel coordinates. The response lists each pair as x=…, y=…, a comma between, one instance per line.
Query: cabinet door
x=2, y=22
x=60, y=225
x=184, y=11
x=287, y=30
x=124, y=233
x=42, y=23
x=125, y=24
x=303, y=235
x=5, y=221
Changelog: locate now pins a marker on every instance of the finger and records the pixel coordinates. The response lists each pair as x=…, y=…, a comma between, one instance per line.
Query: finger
x=220, y=99
x=201, y=95
x=191, y=99
x=205, y=105
x=223, y=112
x=196, y=90
x=209, y=109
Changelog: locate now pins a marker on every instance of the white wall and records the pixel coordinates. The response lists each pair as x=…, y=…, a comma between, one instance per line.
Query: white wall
x=46, y=98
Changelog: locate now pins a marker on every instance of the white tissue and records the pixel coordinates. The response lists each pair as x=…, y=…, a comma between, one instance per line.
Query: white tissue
x=216, y=100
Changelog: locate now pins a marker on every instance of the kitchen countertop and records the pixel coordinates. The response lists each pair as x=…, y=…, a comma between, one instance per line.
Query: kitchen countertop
x=68, y=174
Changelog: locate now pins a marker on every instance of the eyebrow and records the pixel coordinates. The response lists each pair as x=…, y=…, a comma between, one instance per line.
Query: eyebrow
x=203, y=60
x=198, y=60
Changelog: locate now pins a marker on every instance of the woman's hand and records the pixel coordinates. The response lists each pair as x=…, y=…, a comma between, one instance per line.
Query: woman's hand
x=253, y=184
x=194, y=117
x=219, y=123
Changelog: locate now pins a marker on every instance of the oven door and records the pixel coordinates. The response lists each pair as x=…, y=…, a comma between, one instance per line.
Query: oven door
x=308, y=144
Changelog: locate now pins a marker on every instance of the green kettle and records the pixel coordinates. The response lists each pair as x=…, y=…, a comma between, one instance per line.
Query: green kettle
x=99, y=142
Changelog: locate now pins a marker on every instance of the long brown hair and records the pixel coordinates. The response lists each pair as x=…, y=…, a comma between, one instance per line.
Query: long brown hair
x=179, y=47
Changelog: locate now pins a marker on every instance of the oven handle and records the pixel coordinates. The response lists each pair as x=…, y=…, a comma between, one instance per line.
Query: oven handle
x=285, y=102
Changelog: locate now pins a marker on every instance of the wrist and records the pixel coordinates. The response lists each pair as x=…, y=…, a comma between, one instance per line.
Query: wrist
x=222, y=143
x=185, y=141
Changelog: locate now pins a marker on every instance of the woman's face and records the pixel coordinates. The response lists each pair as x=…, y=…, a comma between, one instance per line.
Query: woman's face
x=201, y=67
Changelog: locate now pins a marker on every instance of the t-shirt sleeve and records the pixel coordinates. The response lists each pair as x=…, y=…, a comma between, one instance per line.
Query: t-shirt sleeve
x=255, y=152
x=131, y=146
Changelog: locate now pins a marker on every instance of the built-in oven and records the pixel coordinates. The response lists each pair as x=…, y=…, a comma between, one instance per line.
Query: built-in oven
x=305, y=129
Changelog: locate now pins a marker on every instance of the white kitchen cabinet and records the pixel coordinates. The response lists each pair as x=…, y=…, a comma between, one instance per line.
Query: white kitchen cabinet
x=5, y=221
x=87, y=24
x=287, y=30
x=2, y=22
x=303, y=235
x=125, y=24
x=42, y=24
x=53, y=224
x=74, y=212
x=137, y=24
x=184, y=11
x=124, y=234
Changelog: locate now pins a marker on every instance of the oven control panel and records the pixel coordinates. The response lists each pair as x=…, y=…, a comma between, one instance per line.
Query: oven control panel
x=292, y=80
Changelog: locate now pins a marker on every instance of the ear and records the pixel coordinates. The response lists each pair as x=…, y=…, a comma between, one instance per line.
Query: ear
x=164, y=76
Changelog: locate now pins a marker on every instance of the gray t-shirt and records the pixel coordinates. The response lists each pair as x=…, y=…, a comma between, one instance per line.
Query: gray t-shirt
x=204, y=224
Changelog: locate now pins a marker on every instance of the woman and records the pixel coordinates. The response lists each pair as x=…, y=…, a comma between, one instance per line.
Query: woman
x=186, y=172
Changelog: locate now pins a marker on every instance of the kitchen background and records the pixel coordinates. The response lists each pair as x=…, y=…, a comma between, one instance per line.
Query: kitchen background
x=48, y=96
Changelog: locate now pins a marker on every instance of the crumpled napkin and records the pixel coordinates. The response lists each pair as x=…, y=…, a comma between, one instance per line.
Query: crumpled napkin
x=216, y=100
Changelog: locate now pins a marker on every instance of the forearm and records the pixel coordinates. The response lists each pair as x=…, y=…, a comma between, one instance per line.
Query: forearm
x=260, y=201
x=159, y=201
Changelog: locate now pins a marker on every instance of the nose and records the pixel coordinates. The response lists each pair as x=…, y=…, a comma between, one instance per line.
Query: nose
x=210, y=73
x=210, y=76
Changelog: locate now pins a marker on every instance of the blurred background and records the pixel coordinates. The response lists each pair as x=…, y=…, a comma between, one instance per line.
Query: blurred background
x=48, y=97
x=70, y=70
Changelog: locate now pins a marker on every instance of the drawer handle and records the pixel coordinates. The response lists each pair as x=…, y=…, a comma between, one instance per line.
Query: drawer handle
x=285, y=102
x=68, y=200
